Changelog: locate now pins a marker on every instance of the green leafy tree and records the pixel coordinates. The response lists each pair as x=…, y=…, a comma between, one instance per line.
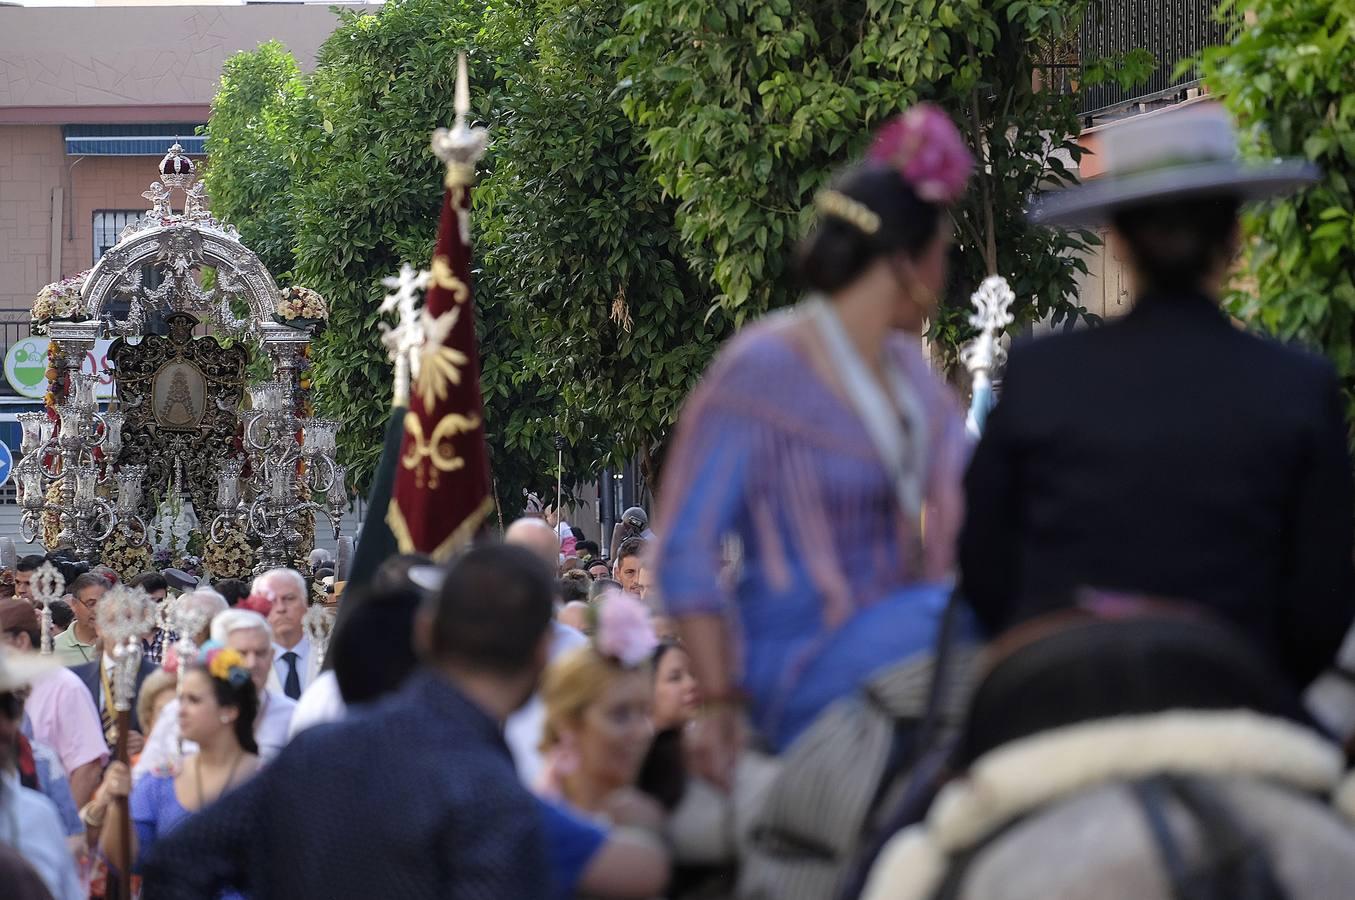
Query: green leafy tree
x=591, y=323
x=345, y=177
x=255, y=110
x=1289, y=77
x=577, y=236
x=749, y=105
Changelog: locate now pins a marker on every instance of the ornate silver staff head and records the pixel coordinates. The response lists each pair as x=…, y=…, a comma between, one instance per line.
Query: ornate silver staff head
x=318, y=626
x=48, y=586
x=984, y=354
x=125, y=615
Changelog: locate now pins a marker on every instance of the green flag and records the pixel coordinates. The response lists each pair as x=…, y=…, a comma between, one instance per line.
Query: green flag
x=376, y=544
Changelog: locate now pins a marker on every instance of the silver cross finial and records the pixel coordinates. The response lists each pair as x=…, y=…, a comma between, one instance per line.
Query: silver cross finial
x=404, y=338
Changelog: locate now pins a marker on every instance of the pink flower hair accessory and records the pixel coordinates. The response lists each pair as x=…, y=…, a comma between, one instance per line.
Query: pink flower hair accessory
x=624, y=631
x=927, y=149
x=259, y=600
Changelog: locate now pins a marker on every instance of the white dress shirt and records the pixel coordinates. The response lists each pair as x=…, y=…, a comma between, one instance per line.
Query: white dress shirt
x=523, y=729
x=322, y=702
x=305, y=665
x=30, y=823
x=165, y=750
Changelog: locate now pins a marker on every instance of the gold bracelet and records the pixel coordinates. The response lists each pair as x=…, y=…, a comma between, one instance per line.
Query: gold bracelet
x=722, y=704
x=87, y=816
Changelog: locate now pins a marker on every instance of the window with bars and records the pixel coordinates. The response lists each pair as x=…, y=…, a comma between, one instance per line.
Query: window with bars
x=1172, y=30
x=108, y=224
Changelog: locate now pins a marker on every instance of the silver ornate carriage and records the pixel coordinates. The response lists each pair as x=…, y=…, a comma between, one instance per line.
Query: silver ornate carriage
x=178, y=434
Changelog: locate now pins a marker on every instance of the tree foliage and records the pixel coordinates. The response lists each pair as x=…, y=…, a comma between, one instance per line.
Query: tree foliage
x=330, y=172
x=250, y=178
x=590, y=322
x=577, y=237
x=749, y=105
x=650, y=169
x=1288, y=75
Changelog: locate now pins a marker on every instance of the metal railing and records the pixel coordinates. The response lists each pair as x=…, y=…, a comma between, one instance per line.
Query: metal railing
x=1171, y=30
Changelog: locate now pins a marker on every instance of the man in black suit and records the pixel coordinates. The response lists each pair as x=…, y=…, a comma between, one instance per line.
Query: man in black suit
x=1170, y=453
x=98, y=679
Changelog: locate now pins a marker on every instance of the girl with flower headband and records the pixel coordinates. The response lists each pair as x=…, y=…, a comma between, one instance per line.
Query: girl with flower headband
x=821, y=439
x=598, y=703
x=217, y=708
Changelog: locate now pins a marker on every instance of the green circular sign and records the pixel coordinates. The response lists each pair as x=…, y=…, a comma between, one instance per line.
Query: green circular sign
x=26, y=367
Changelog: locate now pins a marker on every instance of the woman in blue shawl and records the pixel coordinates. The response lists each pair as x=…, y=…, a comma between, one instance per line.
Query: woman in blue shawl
x=823, y=444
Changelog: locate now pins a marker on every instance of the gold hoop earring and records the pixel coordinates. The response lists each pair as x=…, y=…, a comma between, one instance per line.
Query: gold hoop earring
x=904, y=277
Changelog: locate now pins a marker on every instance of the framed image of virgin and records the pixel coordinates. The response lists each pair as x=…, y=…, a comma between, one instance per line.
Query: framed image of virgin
x=179, y=396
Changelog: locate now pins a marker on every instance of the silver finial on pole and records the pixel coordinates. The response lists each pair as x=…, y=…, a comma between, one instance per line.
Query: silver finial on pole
x=460, y=147
x=462, y=99
x=984, y=354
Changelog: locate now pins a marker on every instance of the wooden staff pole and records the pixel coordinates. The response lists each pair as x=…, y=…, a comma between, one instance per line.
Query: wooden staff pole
x=125, y=819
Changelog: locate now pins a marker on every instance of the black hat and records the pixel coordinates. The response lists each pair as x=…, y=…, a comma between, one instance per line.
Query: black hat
x=180, y=580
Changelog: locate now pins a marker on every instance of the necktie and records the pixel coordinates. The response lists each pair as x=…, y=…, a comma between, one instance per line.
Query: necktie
x=292, y=687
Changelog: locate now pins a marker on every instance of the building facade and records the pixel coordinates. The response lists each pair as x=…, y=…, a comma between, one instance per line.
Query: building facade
x=1173, y=31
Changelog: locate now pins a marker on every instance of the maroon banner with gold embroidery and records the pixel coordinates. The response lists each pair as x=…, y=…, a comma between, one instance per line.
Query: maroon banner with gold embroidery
x=442, y=491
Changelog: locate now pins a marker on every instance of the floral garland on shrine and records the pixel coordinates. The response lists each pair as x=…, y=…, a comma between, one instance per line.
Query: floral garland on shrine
x=124, y=557
x=232, y=558
x=51, y=520
x=58, y=300
x=300, y=307
x=305, y=524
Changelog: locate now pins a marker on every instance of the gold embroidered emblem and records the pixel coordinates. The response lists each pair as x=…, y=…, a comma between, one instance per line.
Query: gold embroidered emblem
x=438, y=448
x=444, y=278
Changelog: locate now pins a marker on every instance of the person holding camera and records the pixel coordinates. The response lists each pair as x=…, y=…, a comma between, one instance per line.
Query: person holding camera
x=634, y=524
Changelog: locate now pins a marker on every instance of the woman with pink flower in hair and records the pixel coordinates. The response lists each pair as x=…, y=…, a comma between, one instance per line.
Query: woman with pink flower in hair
x=598, y=703
x=822, y=441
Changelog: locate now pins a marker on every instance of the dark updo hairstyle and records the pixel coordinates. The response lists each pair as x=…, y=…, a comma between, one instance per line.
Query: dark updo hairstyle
x=574, y=586
x=233, y=589
x=663, y=775
x=661, y=651
x=1176, y=244
x=837, y=252
x=238, y=693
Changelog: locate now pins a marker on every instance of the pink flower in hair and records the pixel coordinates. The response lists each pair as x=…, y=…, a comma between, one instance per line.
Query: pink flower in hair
x=928, y=151
x=259, y=600
x=624, y=631
x=171, y=661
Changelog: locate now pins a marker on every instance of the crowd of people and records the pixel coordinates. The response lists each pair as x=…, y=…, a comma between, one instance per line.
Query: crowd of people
x=857, y=656
x=201, y=730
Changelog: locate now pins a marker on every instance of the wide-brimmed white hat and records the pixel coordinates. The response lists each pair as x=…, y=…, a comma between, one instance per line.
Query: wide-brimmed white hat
x=1175, y=154
x=22, y=669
